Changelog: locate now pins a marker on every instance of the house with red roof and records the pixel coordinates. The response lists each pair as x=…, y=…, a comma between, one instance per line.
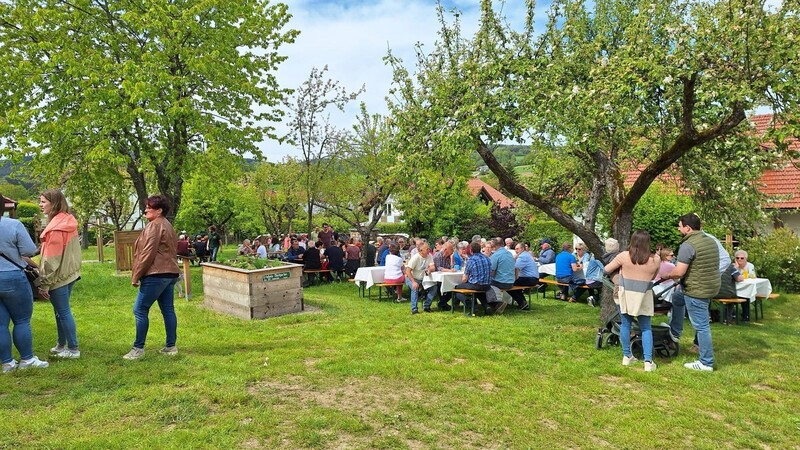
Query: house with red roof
x=487, y=194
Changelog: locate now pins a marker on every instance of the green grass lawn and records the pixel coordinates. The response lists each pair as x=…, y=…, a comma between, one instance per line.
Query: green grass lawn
x=361, y=374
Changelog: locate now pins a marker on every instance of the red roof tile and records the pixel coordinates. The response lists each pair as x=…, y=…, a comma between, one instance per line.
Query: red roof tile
x=476, y=185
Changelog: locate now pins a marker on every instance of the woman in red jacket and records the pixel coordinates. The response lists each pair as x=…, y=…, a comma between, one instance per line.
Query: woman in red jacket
x=60, y=268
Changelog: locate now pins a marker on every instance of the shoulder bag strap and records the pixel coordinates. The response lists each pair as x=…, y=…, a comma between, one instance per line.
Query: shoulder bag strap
x=12, y=262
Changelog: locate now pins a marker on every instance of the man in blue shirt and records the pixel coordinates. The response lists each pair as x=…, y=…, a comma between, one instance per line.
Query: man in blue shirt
x=528, y=275
x=477, y=275
x=566, y=266
x=547, y=255
x=503, y=271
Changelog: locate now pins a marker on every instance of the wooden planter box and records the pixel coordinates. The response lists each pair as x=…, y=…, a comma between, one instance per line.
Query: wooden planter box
x=253, y=294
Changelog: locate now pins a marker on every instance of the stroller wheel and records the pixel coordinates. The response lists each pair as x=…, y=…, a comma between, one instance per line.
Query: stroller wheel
x=668, y=349
x=636, y=347
x=612, y=340
x=598, y=341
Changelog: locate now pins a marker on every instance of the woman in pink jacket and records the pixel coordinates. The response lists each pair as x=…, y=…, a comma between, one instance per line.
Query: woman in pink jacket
x=60, y=268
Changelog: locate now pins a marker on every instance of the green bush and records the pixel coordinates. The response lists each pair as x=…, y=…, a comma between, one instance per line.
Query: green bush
x=393, y=228
x=776, y=256
x=550, y=229
x=27, y=209
x=657, y=213
x=30, y=223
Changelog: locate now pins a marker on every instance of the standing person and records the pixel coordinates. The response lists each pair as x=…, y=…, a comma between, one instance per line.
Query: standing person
x=369, y=254
x=353, y=253
x=326, y=235
x=637, y=268
x=16, y=297
x=214, y=241
x=698, y=270
x=60, y=268
x=155, y=271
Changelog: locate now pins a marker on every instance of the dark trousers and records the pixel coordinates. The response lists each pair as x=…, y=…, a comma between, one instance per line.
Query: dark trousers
x=518, y=296
x=475, y=287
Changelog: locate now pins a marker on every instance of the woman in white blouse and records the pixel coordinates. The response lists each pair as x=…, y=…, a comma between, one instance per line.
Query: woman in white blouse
x=394, y=270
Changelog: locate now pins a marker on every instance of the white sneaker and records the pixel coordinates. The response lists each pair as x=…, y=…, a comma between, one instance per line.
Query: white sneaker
x=68, y=354
x=135, y=353
x=9, y=366
x=57, y=349
x=34, y=362
x=697, y=365
x=649, y=366
x=172, y=351
x=628, y=360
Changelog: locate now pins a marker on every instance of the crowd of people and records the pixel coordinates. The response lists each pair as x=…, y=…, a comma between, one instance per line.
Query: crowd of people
x=701, y=271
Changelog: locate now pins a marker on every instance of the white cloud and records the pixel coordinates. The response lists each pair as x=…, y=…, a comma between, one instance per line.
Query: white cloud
x=353, y=36
x=352, y=39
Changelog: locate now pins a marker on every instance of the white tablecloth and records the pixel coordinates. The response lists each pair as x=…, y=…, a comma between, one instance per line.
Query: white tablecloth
x=549, y=269
x=752, y=287
x=369, y=275
x=449, y=280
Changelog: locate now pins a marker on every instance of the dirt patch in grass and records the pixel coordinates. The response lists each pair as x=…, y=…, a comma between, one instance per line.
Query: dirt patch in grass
x=375, y=402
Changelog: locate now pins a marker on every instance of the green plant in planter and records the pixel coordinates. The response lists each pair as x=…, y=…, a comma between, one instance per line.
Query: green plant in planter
x=252, y=263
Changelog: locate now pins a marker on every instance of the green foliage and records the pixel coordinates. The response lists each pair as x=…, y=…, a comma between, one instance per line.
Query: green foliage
x=116, y=90
x=776, y=256
x=15, y=191
x=30, y=225
x=393, y=228
x=26, y=209
x=657, y=213
x=549, y=229
x=251, y=263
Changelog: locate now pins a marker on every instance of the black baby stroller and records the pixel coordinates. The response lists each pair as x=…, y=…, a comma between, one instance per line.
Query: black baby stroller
x=662, y=342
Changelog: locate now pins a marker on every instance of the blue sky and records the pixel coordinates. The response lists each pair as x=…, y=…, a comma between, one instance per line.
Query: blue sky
x=352, y=37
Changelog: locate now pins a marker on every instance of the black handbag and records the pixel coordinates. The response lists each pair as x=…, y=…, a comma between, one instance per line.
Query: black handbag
x=31, y=273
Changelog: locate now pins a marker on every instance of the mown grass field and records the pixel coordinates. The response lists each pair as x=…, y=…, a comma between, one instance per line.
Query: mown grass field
x=361, y=374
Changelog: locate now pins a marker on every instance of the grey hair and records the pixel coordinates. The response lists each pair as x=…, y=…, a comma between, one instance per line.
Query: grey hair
x=740, y=252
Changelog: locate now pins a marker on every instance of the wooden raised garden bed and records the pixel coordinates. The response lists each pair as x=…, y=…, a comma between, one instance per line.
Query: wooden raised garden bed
x=253, y=294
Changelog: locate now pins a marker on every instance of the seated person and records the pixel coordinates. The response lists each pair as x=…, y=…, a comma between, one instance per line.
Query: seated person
x=184, y=247
x=394, y=271
x=460, y=256
x=528, y=275
x=275, y=244
x=200, y=249
x=667, y=255
x=747, y=269
x=312, y=258
x=417, y=267
x=477, y=275
x=353, y=256
x=727, y=289
x=503, y=271
x=442, y=262
x=260, y=250
x=594, y=280
x=566, y=266
x=245, y=249
x=335, y=256
x=295, y=254
x=583, y=257
x=547, y=255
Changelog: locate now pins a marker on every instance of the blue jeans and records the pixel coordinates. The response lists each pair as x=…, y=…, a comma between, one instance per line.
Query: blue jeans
x=415, y=293
x=16, y=305
x=698, y=316
x=647, y=335
x=214, y=253
x=65, y=322
x=152, y=289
